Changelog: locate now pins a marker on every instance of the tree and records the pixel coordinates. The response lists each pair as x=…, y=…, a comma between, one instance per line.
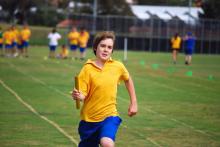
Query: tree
x=114, y=7
x=211, y=9
x=17, y=10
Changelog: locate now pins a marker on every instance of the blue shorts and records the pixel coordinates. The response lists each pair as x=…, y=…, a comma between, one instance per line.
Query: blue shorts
x=8, y=46
x=188, y=51
x=1, y=46
x=52, y=47
x=19, y=46
x=91, y=132
x=14, y=44
x=25, y=44
x=73, y=47
x=82, y=49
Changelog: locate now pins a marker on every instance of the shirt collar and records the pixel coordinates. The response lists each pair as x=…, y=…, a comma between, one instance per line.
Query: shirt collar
x=91, y=61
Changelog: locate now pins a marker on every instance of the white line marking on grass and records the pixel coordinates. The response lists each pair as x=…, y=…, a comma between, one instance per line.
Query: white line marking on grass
x=39, y=115
x=38, y=80
x=149, y=139
x=175, y=120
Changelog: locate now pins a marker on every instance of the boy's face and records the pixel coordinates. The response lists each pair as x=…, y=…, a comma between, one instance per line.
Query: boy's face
x=104, y=49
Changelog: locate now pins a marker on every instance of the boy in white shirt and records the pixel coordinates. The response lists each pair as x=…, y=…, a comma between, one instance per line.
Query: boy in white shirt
x=53, y=37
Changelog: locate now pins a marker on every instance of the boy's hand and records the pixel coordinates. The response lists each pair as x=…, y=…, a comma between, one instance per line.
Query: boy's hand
x=77, y=95
x=132, y=110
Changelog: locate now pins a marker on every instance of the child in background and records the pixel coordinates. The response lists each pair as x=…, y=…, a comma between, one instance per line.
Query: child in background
x=8, y=39
x=175, y=45
x=25, y=36
x=83, y=42
x=53, y=37
x=189, y=47
x=1, y=42
x=73, y=37
x=20, y=45
x=64, y=52
x=98, y=81
x=14, y=45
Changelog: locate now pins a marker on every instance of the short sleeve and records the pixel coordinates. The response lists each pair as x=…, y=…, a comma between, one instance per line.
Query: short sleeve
x=124, y=73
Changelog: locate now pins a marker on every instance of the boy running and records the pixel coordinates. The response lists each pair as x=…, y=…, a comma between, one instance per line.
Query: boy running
x=98, y=80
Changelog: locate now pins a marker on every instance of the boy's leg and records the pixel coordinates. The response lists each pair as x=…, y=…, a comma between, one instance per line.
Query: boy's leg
x=174, y=56
x=1, y=50
x=73, y=48
x=189, y=59
x=82, y=53
x=109, y=130
x=26, y=45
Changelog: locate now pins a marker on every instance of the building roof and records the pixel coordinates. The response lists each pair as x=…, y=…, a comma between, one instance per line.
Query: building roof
x=167, y=12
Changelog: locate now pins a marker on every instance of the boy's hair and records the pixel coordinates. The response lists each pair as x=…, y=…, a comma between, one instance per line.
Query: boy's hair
x=101, y=36
x=54, y=30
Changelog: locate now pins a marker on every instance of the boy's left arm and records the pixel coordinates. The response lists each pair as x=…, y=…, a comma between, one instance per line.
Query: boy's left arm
x=133, y=108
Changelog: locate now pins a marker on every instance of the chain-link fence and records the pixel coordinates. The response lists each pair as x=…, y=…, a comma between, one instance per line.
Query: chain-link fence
x=153, y=34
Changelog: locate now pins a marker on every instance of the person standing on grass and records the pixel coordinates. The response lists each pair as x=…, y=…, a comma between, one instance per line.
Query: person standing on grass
x=1, y=42
x=25, y=36
x=98, y=81
x=14, y=45
x=8, y=39
x=53, y=37
x=83, y=41
x=189, y=47
x=20, y=45
x=175, y=45
x=73, y=37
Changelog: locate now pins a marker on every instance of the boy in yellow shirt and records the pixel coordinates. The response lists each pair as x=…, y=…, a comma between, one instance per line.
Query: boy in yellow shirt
x=8, y=39
x=15, y=35
x=73, y=37
x=83, y=40
x=98, y=80
x=25, y=36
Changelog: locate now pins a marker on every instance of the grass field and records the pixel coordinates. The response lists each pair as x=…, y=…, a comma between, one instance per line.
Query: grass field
x=179, y=106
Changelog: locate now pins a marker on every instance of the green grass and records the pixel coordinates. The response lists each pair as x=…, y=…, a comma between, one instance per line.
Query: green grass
x=176, y=109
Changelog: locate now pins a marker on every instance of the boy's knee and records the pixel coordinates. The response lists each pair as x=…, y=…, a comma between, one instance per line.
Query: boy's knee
x=107, y=142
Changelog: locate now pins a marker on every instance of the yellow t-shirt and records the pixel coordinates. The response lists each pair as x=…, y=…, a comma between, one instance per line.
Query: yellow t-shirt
x=1, y=37
x=19, y=39
x=25, y=34
x=73, y=38
x=15, y=34
x=100, y=88
x=176, y=43
x=7, y=37
x=83, y=39
x=64, y=53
